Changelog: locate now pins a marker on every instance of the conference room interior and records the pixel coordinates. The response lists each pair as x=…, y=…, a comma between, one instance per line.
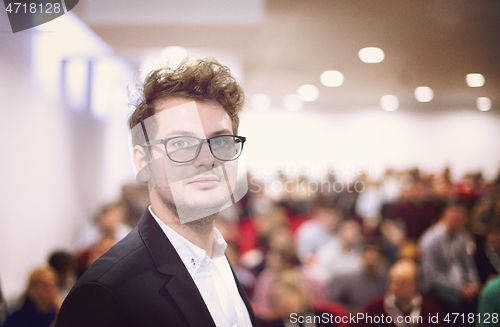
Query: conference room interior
x=375, y=114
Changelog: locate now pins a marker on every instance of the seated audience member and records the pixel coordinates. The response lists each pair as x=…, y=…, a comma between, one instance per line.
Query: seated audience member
x=356, y=289
x=42, y=302
x=65, y=267
x=402, y=302
x=319, y=230
x=487, y=255
x=110, y=221
x=448, y=268
x=292, y=304
x=3, y=308
x=393, y=239
x=489, y=305
x=341, y=255
x=277, y=260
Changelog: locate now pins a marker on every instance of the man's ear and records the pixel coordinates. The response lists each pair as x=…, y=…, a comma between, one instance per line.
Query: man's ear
x=141, y=164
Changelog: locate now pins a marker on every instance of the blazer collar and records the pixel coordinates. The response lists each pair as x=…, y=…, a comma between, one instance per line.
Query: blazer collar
x=180, y=284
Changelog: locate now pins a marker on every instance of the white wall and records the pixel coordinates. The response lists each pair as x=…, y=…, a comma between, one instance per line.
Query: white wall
x=467, y=140
x=52, y=176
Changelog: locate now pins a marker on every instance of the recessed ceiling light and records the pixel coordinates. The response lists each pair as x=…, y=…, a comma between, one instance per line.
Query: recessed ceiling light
x=332, y=78
x=389, y=102
x=292, y=102
x=474, y=80
x=424, y=94
x=371, y=55
x=483, y=103
x=308, y=92
x=260, y=102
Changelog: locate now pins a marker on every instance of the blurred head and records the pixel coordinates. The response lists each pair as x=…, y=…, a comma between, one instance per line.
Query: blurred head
x=454, y=217
x=110, y=217
x=324, y=211
x=64, y=265
x=279, y=259
x=42, y=288
x=403, y=280
x=102, y=246
x=289, y=294
x=419, y=190
x=350, y=233
x=371, y=256
x=493, y=236
x=280, y=237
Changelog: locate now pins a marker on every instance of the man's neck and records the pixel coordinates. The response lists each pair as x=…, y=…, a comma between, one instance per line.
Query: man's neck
x=200, y=232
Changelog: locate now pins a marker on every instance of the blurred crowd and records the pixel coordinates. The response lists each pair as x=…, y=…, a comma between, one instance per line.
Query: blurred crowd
x=407, y=245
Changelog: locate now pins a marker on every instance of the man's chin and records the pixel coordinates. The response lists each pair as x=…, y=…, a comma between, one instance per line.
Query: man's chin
x=203, y=207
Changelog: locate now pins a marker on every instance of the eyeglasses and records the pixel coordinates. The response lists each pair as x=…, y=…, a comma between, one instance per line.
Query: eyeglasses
x=183, y=149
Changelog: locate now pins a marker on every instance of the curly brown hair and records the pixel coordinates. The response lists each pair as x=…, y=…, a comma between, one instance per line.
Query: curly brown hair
x=199, y=80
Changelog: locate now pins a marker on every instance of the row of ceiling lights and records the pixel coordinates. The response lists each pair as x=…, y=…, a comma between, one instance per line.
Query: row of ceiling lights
x=334, y=78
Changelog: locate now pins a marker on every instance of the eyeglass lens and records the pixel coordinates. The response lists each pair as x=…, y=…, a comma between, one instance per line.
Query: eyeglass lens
x=185, y=148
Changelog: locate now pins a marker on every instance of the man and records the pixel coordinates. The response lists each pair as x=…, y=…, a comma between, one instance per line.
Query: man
x=355, y=290
x=402, y=305
x=171, y=269
x=341, y=255
x=448, y=268
x=318, y=230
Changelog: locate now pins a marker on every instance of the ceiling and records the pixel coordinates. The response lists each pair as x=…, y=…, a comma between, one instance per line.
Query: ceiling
x=288, y=43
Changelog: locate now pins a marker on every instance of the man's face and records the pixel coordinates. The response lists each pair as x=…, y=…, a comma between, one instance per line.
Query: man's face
x=454, y=218
x=494, y=240
x=201, y=187
x=44, y=289
x=403, y=285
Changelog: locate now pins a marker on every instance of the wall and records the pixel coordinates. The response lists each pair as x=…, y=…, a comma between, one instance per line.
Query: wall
x=52, y=170
x=466, y=140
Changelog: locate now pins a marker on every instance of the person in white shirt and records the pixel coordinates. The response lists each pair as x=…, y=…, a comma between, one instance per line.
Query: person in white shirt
x=171, y=269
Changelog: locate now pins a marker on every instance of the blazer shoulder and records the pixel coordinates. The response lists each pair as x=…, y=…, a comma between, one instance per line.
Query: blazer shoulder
x=124, y=258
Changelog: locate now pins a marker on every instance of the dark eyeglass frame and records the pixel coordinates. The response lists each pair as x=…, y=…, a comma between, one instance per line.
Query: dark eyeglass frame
x=242, y=140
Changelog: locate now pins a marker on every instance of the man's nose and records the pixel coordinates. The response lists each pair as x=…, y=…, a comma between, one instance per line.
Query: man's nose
x=205, y=158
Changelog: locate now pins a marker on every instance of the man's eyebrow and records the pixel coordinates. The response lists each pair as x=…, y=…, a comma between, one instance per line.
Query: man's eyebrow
x=179, y=133
x=224, y=131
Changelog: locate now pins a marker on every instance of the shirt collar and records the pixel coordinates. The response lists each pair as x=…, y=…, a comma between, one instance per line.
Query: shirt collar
x=191, y=255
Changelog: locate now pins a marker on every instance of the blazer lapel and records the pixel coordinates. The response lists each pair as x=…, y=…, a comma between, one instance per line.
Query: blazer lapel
x=181, y=286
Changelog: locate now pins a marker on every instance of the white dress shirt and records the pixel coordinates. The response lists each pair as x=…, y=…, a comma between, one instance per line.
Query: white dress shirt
x=213, y=277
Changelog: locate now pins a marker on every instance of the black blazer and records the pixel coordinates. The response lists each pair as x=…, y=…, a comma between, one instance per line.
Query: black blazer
x=141, y=281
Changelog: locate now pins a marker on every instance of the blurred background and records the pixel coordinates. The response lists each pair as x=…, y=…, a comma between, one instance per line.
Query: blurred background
x=336, y=90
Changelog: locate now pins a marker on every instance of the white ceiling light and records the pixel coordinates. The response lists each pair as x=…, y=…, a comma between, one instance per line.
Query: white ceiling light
x=371, y=55
x=424, y=94
x=389, y=102
x=292, y=102
x=483, y=103
x=474, y=80
x=260, y=102
x=308, y=92
x=332, y=78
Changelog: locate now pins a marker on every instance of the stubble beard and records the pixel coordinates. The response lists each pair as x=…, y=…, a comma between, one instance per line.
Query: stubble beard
x=199, y=225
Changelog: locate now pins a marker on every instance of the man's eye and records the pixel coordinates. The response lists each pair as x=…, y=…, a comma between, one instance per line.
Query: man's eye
x=219, y=142
x=184, y=143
